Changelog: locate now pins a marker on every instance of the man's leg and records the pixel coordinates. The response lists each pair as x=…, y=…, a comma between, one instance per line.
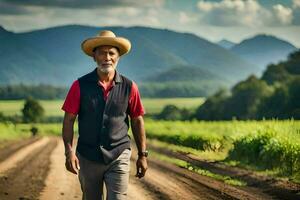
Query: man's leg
x=117, y=177
x=91, y=178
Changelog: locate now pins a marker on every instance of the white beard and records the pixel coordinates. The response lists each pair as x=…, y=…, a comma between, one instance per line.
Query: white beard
x=106, y=70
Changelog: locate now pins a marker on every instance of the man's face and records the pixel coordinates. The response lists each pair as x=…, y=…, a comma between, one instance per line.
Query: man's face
x=107, y=58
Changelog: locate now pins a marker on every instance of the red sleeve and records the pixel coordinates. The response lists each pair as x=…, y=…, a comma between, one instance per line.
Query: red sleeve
x=72, y=101
x=135, y=104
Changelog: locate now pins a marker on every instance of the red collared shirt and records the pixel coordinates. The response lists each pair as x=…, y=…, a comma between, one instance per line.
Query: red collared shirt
x=72, y=101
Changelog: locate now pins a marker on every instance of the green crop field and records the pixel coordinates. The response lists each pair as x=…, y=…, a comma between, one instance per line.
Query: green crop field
x=268, y=145
x=14, y=107
x=154, y=106
x=53, y=107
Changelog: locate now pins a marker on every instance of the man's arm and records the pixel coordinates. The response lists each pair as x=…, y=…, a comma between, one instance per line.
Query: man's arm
x=72, y=162
x=138, y=131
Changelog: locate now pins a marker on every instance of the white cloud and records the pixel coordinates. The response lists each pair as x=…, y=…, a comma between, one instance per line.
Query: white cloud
x=283, y=14
x=296, y=4
x=39, y=17
x=232, y=12
x=186, y=18
x=244, y=13
x=206, y=6
x=215, y=20
x=86, y=3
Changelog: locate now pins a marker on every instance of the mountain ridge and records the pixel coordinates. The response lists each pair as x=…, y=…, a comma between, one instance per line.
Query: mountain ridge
x=54, y=56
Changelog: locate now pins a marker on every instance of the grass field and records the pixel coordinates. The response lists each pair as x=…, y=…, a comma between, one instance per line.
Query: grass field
x=14, y=107
x=154, y=106
x=53, y=107
x=266, y=145
x=272, y=145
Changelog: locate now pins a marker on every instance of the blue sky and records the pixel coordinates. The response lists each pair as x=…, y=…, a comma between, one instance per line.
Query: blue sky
x=214, y=20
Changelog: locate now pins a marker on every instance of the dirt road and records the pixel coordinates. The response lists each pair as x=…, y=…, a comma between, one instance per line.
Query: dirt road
x=34, y=169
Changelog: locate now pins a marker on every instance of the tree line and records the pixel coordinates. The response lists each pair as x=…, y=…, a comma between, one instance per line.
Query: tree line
x=41, y=91
x=276, y=95
x=157, y=90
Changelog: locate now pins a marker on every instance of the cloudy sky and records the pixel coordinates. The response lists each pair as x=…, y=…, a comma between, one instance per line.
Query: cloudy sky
x=212, y=19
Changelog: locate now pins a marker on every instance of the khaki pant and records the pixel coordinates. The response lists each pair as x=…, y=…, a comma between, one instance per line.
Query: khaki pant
x=115, y=176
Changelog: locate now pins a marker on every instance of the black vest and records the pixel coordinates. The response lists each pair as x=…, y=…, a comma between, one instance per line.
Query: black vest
x=103, y=125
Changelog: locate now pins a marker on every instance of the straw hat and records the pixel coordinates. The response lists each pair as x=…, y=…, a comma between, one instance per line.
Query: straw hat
x=105, y=38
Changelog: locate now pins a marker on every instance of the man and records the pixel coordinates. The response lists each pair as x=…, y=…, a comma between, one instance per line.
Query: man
x=103, y=99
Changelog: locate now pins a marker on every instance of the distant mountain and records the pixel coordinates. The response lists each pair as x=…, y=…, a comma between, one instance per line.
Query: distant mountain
x=53, y=55
x=198, y=52
x=226, y=44
x=182, y=81
x=184, y=73
x=4, y=33
x=262, y=50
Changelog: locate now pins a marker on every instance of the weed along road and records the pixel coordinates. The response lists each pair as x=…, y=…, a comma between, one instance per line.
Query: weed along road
x=34, y=169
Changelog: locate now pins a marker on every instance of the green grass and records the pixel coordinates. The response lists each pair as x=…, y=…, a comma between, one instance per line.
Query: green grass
x=13, y=107
x=10, y=131
x=267, y=145
x=53, y=107
x=15, y=131
x=154, y=106
x=262, y=145
x=210, y=156
x=189, y=166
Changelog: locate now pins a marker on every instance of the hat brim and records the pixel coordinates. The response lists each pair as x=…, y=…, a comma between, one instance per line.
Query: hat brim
x=90, y=44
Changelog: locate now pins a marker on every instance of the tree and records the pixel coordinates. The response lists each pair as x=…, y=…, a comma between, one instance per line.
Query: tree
x=275, y=105
x=276, y=73
x=213, y=107
x=170, y=112
x=246, y=98
x=32, y=111
x=275, y=95
x=293, y=107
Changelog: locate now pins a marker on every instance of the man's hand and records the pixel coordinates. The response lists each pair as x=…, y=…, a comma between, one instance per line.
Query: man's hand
x=141, y=166
x=72, y=162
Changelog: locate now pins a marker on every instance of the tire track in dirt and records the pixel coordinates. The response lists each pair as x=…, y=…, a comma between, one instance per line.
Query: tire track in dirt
x=137, y=190
x=18, y=156
x=262, y=186
x=167, y=181
x=26, y=180
x=37, y=171
x=8, y=147
x=60, y=184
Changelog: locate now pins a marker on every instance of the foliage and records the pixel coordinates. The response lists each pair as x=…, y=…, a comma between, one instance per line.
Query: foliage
x=11, y=118
x=172, y=112
x=32, y=111
x=36, y=91
x=246, y=98
x=203, y=172
x=34, y=131
x=53, y=112
x=16, y=131
x=265, y=145
x=213, y=107
x=267, y=149
x=171, y=89
x=275, y=95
